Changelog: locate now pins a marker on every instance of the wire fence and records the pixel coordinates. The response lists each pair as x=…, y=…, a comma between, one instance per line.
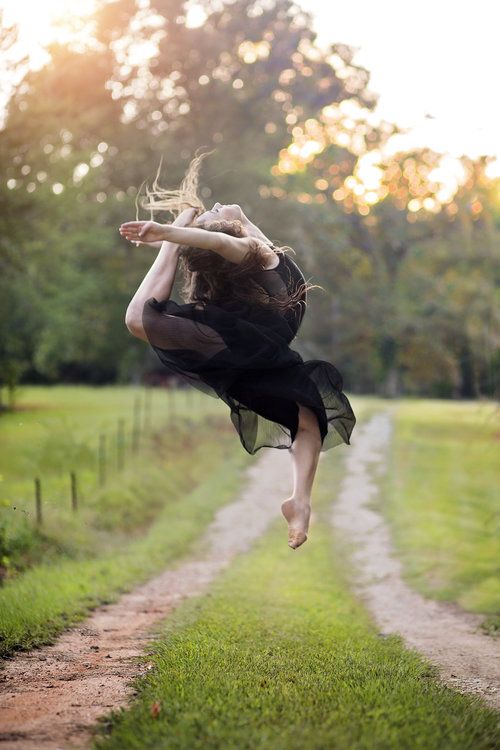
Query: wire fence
x=113, y=445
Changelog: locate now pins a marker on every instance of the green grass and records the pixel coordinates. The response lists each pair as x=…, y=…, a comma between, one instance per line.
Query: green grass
x=48, y=420
x=56, y=429
x=280, y=655
x=36, y=606
x=81, y=412
x=143, y=518
x=441, y=498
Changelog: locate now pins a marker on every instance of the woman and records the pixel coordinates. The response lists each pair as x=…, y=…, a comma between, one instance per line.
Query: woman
x=244, y=301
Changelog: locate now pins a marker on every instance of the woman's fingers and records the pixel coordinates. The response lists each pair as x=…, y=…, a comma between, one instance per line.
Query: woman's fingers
x=130, y=231
x=131, y=234
x=132, y=224
x=148, y=231
x=136, y=227
x=131, y=228
x=145, y=228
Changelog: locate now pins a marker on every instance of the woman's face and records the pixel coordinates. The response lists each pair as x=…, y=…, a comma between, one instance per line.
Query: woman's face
x=230, y=212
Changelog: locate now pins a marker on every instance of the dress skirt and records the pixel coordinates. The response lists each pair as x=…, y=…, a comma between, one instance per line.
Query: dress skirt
x=239, y=352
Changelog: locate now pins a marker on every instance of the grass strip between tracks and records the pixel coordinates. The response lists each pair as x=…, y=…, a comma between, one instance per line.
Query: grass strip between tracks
x=280, y=655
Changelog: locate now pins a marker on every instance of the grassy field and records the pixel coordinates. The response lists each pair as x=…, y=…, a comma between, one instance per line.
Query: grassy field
x=280, y=655
x=56, y=430
x=441, y=498
x=143, y=517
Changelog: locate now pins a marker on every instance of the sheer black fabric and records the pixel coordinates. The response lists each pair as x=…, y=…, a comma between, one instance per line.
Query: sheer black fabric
x=239, y=352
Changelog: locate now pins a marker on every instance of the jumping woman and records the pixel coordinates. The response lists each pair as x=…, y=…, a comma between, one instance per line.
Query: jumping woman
x=244, y=300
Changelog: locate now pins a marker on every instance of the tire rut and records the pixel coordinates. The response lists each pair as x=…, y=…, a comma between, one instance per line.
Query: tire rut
x=51, y=697
x=466, y=658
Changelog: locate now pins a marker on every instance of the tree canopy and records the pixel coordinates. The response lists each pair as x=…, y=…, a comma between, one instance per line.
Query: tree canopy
x=409, y=273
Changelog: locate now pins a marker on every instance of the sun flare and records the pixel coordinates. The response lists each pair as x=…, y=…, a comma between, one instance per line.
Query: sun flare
x=41, y=23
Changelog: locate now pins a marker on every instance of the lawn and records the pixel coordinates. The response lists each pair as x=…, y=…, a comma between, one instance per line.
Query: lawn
x=145, y=516
x=441, y=498
x=280, y=655
x=59, y=429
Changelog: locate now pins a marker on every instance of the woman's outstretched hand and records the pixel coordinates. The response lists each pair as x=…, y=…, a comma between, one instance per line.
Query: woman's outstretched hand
x=144, y=231
x=152, y=233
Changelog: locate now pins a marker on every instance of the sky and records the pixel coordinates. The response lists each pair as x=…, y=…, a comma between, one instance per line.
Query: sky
x=434, y=57
x=434, y=64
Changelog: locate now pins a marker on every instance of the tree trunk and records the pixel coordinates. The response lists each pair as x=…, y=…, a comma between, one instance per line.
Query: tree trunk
x=391, y=386
x=468, y=384
x=391, y=383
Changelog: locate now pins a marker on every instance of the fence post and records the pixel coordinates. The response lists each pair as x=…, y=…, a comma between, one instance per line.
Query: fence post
x=136, y=429
x=147, y=408
x=38, y=501
x=74, y=492
x=120, y=444
x=171, y=402
x=102, y=459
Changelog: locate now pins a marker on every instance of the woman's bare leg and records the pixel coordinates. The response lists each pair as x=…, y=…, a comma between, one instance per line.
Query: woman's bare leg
x=159, y=280
x=305, y=453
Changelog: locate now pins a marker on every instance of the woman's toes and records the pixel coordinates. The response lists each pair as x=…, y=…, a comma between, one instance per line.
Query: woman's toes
x=296, y=538
x=297, y=514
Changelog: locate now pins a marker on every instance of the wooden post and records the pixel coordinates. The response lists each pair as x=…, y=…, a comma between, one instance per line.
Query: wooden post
x=74, y=492
x=136, y=429
x=38, y=501
x=147, y=408
x=102, y=459
x=120, y=444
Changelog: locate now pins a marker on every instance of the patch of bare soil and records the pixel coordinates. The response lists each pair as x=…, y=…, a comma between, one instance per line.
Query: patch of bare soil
x=51, y=697
x=466, y=658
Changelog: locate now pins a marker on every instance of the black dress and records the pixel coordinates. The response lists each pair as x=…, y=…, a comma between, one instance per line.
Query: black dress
x=240, y=352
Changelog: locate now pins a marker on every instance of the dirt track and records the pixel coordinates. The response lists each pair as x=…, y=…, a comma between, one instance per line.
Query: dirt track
x=467, y=658
x=51, y=697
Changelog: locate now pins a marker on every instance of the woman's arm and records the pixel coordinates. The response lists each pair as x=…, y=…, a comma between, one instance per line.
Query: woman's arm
x=158, y=281
x=231, y=248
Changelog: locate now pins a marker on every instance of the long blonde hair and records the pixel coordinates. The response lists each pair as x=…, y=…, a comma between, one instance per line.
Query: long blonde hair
x=207, y=276
x=163, y=199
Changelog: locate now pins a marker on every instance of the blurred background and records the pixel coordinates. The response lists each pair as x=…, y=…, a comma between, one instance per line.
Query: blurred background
x=403, y=238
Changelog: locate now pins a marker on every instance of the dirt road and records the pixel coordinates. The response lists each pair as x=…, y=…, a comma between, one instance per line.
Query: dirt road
x=51, y=697
x=467, y=658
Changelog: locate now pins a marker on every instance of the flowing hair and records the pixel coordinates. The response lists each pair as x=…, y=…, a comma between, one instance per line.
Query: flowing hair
x=208, y=277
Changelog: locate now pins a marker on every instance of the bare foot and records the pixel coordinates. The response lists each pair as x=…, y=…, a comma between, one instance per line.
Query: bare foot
x=297, y=513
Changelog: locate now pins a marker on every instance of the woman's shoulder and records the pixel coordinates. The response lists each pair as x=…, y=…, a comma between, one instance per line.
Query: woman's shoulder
x=278, y=259
x=266, y=252
x=275, y=257
x=291, y=263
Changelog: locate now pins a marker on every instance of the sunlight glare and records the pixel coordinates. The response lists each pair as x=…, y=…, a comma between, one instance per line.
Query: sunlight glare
x=41, y=23
x=195, y=16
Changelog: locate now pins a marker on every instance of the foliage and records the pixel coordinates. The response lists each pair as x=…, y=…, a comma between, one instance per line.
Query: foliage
x=410, y=301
